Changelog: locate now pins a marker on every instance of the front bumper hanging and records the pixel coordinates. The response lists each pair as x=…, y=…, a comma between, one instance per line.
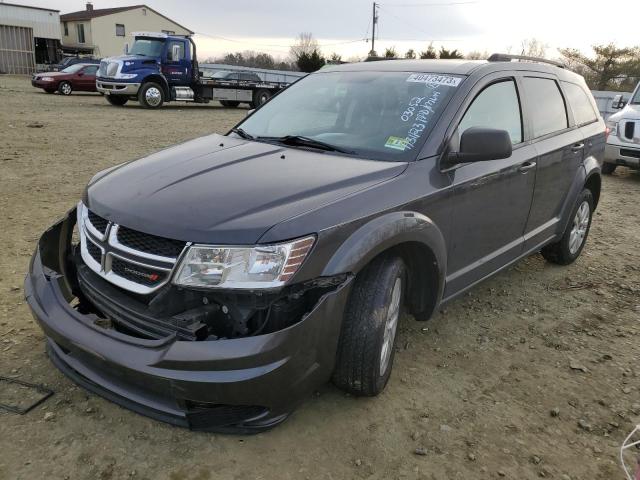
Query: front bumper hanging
x=239, y=385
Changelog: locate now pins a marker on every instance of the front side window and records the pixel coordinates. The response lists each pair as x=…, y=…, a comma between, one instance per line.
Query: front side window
x=376, y=115
x=548, y=112
x=497, y=106
x=73, y=68
x=120, y=30
x=636, y=97
x=580, y=104
x=91, y=70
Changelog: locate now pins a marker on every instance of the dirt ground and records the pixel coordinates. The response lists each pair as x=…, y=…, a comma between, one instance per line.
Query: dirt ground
x=532, y=374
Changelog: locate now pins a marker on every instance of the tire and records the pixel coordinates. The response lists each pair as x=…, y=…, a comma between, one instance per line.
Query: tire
x=229, y=103
x=366, y=346
x=117, y=100
x=566, y=251
x=260, y=97
x=608, y=168
x=65, y=88
x=151, y=95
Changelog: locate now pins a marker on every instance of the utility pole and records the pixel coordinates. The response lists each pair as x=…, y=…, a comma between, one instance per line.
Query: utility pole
x=373, y=29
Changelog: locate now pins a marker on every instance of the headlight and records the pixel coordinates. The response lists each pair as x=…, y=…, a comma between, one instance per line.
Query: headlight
x=262, y=266
x=612, y=128
x=46, y=79
x=125, y=76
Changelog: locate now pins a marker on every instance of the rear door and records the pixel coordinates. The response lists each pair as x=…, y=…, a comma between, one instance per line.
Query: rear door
x=560, y=149
x=491, y=199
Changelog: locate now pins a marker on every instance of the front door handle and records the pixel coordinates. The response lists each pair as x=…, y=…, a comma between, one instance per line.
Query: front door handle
x=577, y=147
x=526, y=166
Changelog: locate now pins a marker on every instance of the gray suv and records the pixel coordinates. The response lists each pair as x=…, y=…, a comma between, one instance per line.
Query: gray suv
x=217, y=283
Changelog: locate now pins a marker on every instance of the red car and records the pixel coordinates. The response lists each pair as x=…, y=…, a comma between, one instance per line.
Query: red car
x=80, y=77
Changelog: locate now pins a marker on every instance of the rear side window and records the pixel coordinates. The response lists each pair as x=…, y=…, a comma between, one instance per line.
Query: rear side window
x=548, y=112
x=580, y=104
x=497, y=106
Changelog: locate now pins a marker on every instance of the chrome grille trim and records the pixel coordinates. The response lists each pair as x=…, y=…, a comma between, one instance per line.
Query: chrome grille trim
x=111, y=248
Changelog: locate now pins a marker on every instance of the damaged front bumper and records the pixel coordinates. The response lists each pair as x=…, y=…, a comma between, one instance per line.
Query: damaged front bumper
x=238, y=385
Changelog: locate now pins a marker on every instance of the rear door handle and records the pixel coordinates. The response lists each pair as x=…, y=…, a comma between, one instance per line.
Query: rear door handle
x=526, y=166
x=577, y=147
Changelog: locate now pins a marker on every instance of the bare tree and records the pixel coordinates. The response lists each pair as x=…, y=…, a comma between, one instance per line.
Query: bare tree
x=390, y=53
x=305, y=45
x=477, y=55
x=532, y=47
x=411, y=54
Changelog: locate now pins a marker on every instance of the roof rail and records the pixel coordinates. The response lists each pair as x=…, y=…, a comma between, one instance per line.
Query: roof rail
x=507, y=57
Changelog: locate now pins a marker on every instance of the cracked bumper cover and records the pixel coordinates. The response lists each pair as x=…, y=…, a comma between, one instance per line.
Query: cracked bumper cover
x=238, y=385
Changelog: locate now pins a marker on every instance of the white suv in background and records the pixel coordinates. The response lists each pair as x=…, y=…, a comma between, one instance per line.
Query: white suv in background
x=623, y=140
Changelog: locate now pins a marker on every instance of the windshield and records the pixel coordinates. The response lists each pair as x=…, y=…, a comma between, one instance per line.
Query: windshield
x=636, y=95
x=73, y=68
x=148, y=47
x=379, y=115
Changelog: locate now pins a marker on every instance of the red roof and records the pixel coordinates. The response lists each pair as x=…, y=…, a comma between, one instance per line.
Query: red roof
x=101, y=12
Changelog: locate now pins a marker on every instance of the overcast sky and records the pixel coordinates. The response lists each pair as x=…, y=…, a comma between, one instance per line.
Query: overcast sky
x=491, y=25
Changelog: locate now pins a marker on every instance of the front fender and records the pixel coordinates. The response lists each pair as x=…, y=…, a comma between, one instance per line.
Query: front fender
x=416, y=236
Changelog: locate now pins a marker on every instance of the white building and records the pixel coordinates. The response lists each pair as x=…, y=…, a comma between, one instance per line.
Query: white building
x=28, y=36
x=104, y=32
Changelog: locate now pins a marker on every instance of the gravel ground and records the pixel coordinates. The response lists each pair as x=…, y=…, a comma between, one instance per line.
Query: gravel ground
x=532, y=374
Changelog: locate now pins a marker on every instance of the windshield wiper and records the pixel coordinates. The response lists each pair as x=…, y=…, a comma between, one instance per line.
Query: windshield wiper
x=241, y=133
x=302, y=141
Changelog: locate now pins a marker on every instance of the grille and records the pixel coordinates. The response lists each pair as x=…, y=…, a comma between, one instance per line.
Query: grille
x=625, y=152
x=112, y=69
x=629, y=129
x=102, y=70
x=98, y=222
x=94, y=251
x=144, y=242
x=137, y=273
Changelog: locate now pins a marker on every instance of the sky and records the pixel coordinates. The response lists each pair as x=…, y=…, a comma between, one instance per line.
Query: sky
x=342, y=26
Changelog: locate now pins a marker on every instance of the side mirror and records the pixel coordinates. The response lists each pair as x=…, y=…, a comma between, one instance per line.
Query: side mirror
x=617, y=102
x=175, y=53
x=250, y=112
x=480, y=144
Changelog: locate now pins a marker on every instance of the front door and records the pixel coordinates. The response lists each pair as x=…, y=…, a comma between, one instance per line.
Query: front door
x=176, y=67
x=86, y=78
x=491, y=199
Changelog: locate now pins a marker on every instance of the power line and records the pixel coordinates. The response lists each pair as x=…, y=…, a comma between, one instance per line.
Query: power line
x=435, y=4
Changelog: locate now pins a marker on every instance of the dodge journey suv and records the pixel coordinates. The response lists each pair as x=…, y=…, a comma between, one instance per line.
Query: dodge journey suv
x=217, y=283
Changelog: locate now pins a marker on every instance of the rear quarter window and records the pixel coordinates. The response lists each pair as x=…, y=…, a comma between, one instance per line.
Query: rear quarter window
x=546, y=106
x=580, y=103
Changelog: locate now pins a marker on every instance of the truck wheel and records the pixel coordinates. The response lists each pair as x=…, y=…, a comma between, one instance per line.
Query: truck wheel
x=117, y=100
x=608, y=168
x=65, y=88
x=229, y=103
x=366, y=345
x=568, y=248
x=151, y=95
x=260, y=97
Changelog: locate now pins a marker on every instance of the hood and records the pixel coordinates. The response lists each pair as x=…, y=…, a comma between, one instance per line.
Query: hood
x=224, y=190
x=630, y=111
x=52, y=74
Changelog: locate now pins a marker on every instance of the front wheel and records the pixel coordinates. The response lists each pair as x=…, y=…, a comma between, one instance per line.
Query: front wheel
x=366, y=345
x=608, y=168
x=117, y=100
x=151, y=95
x=65, y=88
x=569, y=247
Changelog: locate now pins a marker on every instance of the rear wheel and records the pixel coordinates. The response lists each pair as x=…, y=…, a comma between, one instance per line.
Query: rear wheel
x=65, y=88
x=229, y=103
x=117, y=100
x=260, y=97
x=608, y=168
x=366, y=345
x=569, y=247
x=151, y=95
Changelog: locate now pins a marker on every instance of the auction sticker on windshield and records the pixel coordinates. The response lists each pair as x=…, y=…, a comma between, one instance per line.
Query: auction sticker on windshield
x=432, y=79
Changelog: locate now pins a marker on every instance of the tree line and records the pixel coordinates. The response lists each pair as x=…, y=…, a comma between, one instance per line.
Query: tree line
x=607, y=67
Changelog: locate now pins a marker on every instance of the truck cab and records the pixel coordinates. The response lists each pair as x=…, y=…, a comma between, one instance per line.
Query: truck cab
x=623, y=139
x=157, y=68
